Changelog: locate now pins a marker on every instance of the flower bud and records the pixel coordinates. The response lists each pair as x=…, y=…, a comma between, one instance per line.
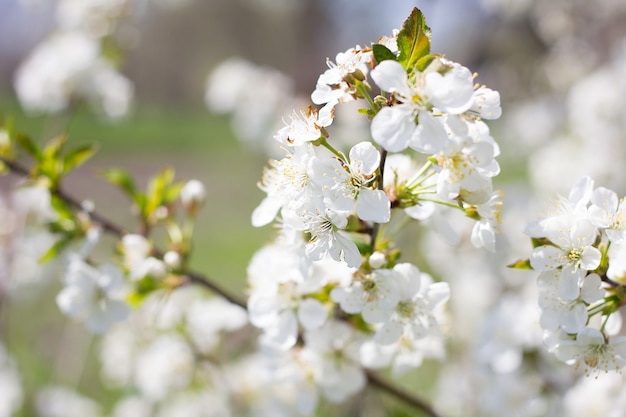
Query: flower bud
x=192, y=195
x=377, y=259
x=172, y=259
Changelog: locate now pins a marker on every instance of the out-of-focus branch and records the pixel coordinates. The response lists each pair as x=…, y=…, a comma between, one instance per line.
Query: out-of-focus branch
x=200, y=279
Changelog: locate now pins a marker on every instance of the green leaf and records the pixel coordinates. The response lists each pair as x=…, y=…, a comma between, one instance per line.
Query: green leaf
x=53, y=148
x=521, y=264
x=61, y=208
x=144, y=287
x=28, y=145
x=382, y=53
x=172, y=192
x=541, y=241
x=77, y=157
x=55, y=249
x=413, y=40
x=157, y=190
x=425, y=61
x=124, y=181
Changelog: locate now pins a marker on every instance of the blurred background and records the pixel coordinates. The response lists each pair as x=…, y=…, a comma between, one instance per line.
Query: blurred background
x=559, y=65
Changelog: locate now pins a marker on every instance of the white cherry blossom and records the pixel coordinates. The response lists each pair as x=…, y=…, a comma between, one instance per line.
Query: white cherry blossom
x=331, y=86
x=593, y=352
x=485, y=230
x=348, y=185
x=609, y=213
x=306, y=126
x=332, y=353
x=92, y=295
x=414, y=314
x=573, y=253
x=327, y=237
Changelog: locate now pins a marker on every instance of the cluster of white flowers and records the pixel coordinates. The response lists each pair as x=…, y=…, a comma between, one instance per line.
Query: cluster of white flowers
x=580, y=254
x=72, y=64
x=332, y=283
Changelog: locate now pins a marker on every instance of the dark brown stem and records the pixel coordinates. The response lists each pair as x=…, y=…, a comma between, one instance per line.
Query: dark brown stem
x=381, y=168
x=375, y=380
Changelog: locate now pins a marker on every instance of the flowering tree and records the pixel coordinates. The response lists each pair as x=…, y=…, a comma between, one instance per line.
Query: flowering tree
x=336, y=298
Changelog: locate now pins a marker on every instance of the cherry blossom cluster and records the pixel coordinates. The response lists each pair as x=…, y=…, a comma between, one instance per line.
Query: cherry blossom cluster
x=78, y=61
x=332, y=284
x=579, y=251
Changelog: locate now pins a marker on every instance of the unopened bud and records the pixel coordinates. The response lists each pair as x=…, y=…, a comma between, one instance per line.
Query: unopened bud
x=377, y=259
x=192, y=195
x=172, y=259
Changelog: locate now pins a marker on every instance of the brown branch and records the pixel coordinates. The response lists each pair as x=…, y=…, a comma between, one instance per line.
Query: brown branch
x=204, y=281
x=375, y=380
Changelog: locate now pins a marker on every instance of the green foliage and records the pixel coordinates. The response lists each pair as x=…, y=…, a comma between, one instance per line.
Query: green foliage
x=413, y=40
x=141, y=290
x=124, y=181
x=51, y=164
x=382, y=53
x=520, y=264
x=162, y=191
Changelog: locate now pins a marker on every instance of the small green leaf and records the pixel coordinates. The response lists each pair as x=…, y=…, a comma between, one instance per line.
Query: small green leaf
x=123, y=180
x=77, y=157
x=61, y=208
x=425, y=61
x=521, y=264
x=382, y=53
x=172, y=192
x=28, y=145
x=157, y=190
x=541, y=241
x=143, y=288
x=413, y=40
x=55, y=249
x=53, y=148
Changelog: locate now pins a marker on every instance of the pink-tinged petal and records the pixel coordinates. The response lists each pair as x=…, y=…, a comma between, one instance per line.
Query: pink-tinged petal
x=373, y=205
x=545, y=258
x=393, y=127
x=391, y=77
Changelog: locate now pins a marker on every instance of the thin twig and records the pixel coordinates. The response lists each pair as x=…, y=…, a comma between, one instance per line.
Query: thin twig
x=204, y=281
x=375, y=380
